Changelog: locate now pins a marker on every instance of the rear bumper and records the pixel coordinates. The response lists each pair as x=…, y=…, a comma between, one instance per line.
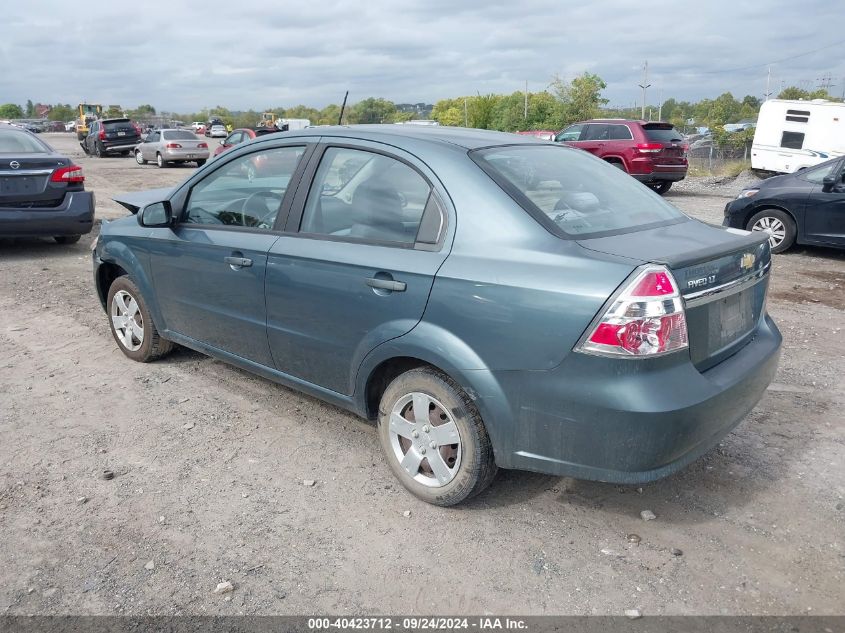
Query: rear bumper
x=630, y=421
x=74, y=217
x=185, y=154
x=663, y=174
x=116, y=147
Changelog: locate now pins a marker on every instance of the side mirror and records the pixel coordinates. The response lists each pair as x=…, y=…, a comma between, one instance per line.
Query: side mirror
x=828, y=183
x=223, y=141
x=155, y=215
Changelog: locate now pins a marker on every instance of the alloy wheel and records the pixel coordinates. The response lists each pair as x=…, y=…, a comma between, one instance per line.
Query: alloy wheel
x=425, y=439
x=127, y=320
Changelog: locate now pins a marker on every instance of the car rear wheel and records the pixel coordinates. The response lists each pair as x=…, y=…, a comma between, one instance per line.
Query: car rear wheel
x=434, y=439
x=139, y=159
x=99, y=150
x=131, y=325
x=161, y=162
x=200, y=162
x=661, y=187
x=67, y=239
x=618, y=165
x=778, y=224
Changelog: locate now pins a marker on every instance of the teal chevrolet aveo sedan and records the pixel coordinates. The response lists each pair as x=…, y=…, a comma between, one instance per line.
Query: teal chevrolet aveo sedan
x=493, y=301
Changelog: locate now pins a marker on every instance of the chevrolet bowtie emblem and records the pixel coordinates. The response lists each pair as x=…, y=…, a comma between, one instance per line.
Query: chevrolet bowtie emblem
x=747, y=261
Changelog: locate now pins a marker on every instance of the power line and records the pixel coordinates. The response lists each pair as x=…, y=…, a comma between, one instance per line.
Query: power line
x=776, y=61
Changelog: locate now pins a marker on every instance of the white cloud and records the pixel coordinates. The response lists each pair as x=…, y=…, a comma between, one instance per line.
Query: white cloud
x=252, y=54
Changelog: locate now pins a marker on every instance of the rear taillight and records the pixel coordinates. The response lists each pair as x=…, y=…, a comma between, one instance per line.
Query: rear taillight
x=203, y=145
x=71, y=173
x=174, y=146
x=649, y=148
x=102, y=134
x=645, y=319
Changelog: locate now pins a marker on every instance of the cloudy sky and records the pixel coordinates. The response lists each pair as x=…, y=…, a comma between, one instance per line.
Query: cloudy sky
x=258, y=53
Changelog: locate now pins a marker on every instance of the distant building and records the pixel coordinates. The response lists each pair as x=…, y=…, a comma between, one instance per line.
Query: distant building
x=42, y=110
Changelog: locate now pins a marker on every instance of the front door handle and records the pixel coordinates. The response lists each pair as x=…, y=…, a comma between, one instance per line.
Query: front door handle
x=240, y=262
x=386, y=284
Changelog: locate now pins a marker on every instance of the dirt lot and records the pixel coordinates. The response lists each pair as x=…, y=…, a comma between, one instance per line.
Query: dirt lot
x=210, y=463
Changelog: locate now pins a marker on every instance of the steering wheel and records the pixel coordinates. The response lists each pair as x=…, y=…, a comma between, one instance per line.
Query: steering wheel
x=260, y=207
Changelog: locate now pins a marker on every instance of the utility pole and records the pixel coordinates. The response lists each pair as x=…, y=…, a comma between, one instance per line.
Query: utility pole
x=466, y=114
x=660, y=104
x=768, y=82
x=644, y=85
x=525, y=114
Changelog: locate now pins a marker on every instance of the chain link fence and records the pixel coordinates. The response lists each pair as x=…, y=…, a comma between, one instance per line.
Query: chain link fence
x=712, y=158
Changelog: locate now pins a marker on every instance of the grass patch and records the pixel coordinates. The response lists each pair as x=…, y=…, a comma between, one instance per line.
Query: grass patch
x=726, y=169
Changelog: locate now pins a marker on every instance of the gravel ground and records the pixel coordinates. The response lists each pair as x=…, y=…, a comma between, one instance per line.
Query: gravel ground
x=209, y=464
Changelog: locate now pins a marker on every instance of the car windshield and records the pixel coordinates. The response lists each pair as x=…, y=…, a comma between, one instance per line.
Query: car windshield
x=19, y=142
x=179, y=135
x=573, y=193
x=662, y=134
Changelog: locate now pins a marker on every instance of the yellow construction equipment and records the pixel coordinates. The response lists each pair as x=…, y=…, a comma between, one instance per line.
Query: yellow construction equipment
x=86, y=112
x=268, y=119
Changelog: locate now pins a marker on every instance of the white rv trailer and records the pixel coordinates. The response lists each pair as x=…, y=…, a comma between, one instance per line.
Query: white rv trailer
x=791, y=135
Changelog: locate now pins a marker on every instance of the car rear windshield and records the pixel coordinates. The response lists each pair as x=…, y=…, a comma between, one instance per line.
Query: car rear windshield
x=119, y=125
x=572, y=193
x=262, y=132
x=179, y=135
x=20, y=142
x=662, y=133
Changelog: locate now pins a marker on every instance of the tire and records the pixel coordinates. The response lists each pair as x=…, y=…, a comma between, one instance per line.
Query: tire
x=201, y=162
x=67, y=239
x=99, y=150
x=465, y=468
x=779, y=225
x=140, y=341
x=161, y=162
x=85, y=149
x=618, y=165
x=661, y=187
x=139, y=159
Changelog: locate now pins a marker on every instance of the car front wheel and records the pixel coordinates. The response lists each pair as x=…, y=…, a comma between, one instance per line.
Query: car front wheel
x=434, y=439
x=131, y=324
x=778, y=224
x=139, y=159
x=67, y=239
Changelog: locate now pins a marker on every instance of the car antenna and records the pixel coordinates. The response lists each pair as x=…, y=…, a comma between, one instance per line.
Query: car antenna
x=342, y=108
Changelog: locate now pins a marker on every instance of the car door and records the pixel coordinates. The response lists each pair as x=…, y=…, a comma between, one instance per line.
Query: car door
x=824, y=217
x=356, y=264
x=209, y=268
x=148, y=148
x=593, y=138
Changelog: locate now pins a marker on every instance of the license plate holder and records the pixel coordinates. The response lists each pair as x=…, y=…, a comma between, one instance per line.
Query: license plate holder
x=736, y=314
x=11, y=185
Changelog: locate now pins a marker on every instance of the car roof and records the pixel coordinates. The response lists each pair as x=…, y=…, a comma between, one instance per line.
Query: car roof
x=467, y=138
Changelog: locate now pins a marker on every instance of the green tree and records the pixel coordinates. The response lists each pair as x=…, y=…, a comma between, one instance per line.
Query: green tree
x=449, y=112
x=581, y=98
x=30, y=109
x=328, y=115
x=372, y=110
x=62, y=112
x=11, y=111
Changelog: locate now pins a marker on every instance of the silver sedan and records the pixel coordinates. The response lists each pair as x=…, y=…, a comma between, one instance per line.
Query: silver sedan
x=172, y=146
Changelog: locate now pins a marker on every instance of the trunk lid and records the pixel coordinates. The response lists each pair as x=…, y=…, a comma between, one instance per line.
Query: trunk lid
x=722, y=276
x=672, y=141
x=25, y=179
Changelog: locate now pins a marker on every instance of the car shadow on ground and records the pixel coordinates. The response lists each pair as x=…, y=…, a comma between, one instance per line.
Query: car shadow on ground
x=25, y=248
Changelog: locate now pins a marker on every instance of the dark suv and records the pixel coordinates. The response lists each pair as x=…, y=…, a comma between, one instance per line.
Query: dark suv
x=111, y=136
x=653, y=153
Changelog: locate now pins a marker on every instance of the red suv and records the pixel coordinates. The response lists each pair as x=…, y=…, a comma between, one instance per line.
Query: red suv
x=653, y=153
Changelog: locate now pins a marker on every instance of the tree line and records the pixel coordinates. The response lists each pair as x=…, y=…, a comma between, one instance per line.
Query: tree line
x=563, y=103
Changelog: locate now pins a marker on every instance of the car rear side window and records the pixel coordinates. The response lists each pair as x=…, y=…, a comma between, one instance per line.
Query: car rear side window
x=662, y=134
x=572, y=193
x=19, y=142
x=360, y=195
x=619, y=133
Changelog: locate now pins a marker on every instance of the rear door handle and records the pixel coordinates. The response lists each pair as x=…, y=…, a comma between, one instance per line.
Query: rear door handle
x=241, y=262
x=386, y=284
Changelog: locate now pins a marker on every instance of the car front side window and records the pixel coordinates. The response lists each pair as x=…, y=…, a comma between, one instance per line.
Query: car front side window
x=361, y=195
x=572, y=133
x=245, y=192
